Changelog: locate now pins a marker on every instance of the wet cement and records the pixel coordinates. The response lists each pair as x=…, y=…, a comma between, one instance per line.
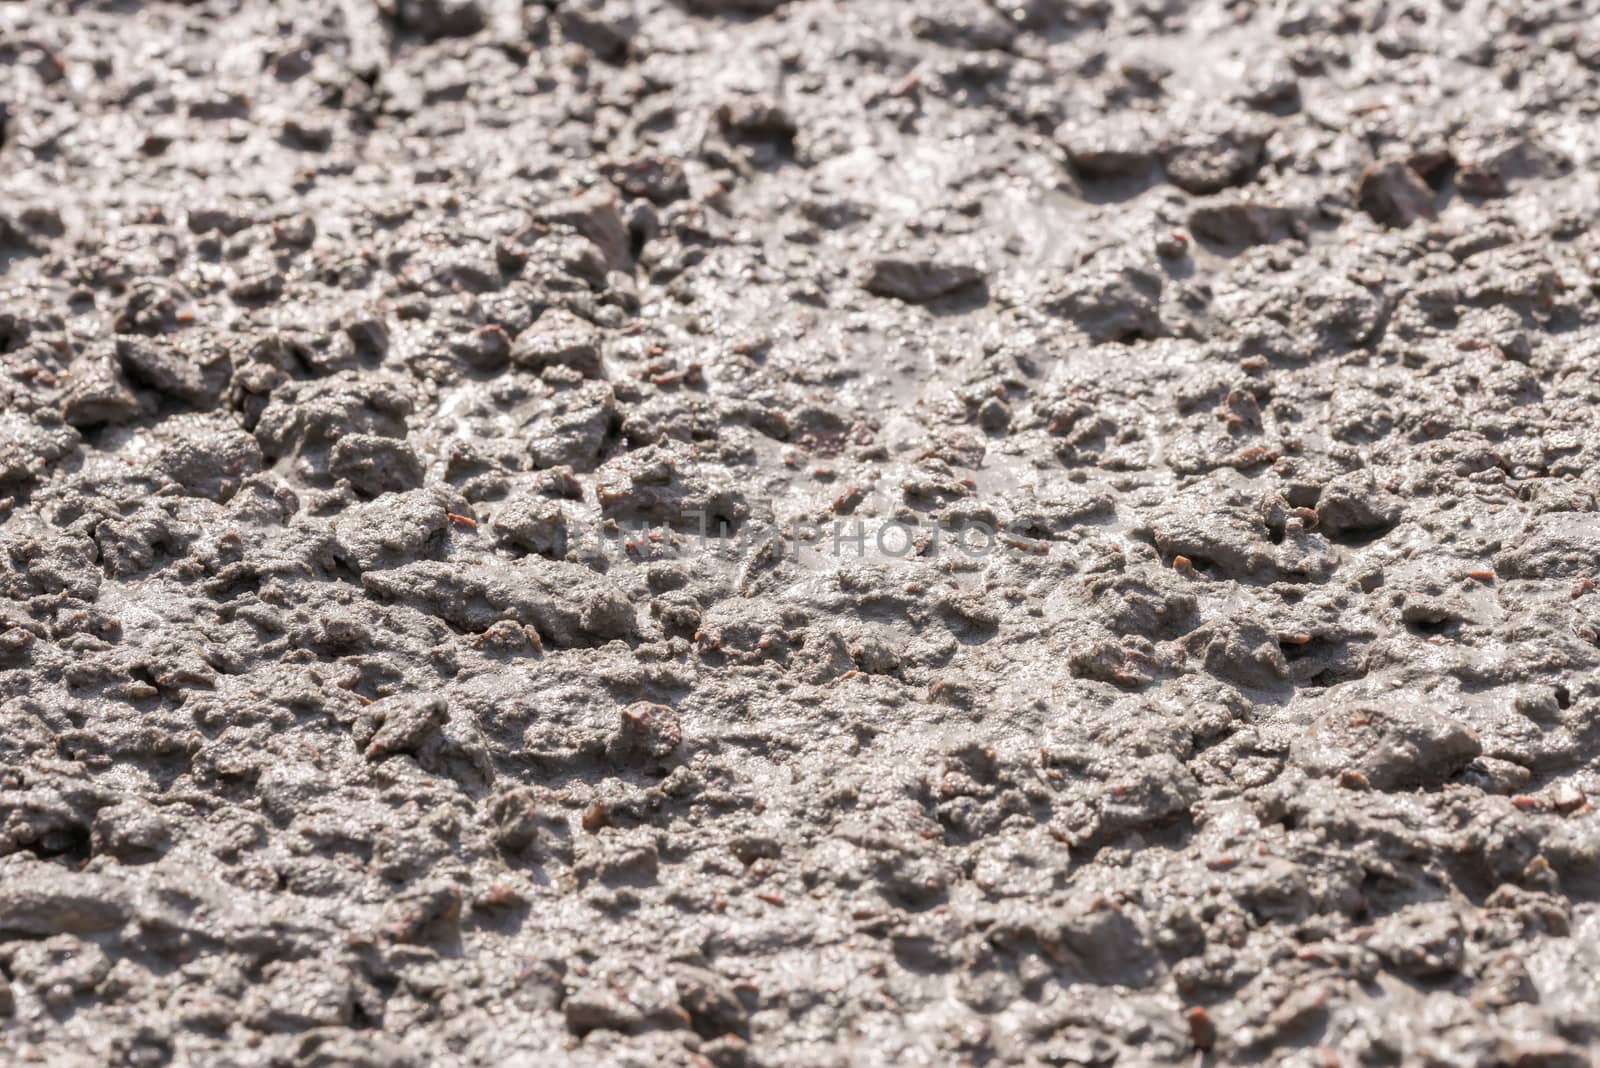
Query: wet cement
x=369, y=697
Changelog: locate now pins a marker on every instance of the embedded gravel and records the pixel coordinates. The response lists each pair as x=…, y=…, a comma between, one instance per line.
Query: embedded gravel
x=792, y=532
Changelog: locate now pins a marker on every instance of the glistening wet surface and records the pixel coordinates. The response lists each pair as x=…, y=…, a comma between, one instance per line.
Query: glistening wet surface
x=1183, y=411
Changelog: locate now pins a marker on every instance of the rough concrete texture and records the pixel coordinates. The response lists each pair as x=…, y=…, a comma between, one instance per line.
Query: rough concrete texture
x=1268, y=331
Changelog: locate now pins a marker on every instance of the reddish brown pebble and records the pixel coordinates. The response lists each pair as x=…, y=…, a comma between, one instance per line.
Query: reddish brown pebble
x=596, y=816
x=498, y=896
x=1202, y=1032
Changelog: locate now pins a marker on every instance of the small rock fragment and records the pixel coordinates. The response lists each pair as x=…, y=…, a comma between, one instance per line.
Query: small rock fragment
x=645, y=733
x=1211, y=161
x=602, y=26
x=435, y=19
x=1241, y=222
x=559, y=338
x=27, y=448
x=515, y=814
x=134, y=832
x=207, y=455
x=714, y=1008
x=963, y=24
x=1113, y=305
x=1353, y=508
x=193, y=370
x=598, y=217
x=428, y=913
x=658, y=179
x=1397, y=742
x=391, y=530
x=60, y=968
x=735, y=7
x=1557, y=545
x=1202, y=1031
x=1394, y=194
x=375, y=464
x=535, y=526
x=1423, y=942
x=920, y=281
x=99, y=394
x=1121, y=147
x=405, y=725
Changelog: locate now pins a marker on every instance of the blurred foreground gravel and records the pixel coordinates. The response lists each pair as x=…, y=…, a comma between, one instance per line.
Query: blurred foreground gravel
x=1211, y=677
